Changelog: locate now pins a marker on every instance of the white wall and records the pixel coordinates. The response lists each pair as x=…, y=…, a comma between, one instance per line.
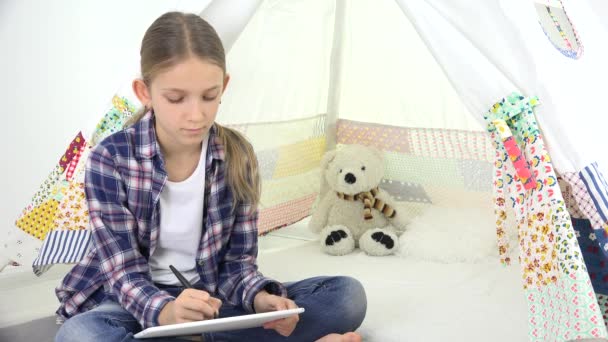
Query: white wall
x=60, y=63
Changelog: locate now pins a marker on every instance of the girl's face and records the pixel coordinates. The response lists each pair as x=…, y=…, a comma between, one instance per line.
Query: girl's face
x=185, y=99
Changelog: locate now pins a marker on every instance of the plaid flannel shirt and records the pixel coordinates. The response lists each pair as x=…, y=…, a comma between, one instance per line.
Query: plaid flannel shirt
x=124, y=177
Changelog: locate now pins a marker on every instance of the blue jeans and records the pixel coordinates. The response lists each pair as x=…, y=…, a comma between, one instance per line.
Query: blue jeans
x=333, y=305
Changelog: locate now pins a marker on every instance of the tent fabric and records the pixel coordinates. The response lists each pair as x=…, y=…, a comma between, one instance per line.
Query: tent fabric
x=554, y=274
x=414, y=79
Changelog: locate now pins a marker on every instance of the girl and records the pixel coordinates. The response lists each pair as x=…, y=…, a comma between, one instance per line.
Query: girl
x=176, y=188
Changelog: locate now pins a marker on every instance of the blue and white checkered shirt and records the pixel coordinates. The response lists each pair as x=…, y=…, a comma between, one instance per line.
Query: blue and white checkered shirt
x=124, y=177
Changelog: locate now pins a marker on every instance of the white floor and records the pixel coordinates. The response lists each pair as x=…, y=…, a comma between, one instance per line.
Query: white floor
x=411, y=300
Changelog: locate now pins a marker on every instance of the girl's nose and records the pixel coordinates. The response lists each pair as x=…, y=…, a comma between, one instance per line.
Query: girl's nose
x=198, y=111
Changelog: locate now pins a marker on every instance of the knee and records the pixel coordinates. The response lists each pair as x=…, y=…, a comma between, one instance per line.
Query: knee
x=73, y=329
x=94, y=326
x=353, y=305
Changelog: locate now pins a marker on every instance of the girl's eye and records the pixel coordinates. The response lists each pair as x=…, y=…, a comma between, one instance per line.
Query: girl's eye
x=209, y=99
x=178, y=100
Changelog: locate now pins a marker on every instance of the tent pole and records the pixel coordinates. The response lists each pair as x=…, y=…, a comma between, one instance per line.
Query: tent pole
x=335, y=74
x=229, y=18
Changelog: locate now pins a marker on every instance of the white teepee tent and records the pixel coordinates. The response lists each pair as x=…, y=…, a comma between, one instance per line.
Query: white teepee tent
x=451, y=91
x=439, y=68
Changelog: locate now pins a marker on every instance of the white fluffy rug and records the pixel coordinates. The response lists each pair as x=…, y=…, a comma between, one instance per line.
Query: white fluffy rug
x=451, y=235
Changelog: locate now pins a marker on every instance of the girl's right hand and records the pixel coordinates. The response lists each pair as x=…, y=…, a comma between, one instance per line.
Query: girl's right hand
x=190, y=306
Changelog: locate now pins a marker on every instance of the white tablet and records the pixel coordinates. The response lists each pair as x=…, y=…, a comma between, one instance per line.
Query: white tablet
x=218, y=324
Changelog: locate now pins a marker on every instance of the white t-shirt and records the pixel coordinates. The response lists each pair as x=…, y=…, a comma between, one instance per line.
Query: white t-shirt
x=181, y=225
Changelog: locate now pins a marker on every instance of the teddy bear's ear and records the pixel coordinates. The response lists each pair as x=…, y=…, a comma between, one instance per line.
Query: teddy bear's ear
x=327, y=158
x=377, y=152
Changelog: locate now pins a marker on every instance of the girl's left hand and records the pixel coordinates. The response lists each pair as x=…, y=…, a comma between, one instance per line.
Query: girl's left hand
x=265, y=302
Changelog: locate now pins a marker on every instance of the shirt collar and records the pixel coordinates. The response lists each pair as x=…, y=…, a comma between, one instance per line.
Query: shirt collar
x=147, y=144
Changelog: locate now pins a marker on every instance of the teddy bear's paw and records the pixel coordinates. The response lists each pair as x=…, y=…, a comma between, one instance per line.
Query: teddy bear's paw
x=379, y=242
x=337, y=240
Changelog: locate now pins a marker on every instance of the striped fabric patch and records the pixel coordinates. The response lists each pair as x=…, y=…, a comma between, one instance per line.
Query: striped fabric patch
x=423, y=170
x=452, y=144
x=281, y=190
x=300, y=157
x=284, y=214
x=405, y=191
x=62, y=246
x=272, y=135
x=597, y=189
x=476, y=174
x=267, y=162
x=386, y=138
x=582, y=198
x=423, y=142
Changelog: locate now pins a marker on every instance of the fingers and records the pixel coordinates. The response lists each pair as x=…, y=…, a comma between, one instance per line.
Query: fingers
x=283, y=326
x=287, y=325
x=215, y=304
x=196, y=294
x=196, y=305
x=200, y=307
x=185, y=315
x=291, y=304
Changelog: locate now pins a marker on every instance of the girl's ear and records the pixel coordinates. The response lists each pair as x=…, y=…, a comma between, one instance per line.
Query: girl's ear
x=142, y=92
x=226, y=80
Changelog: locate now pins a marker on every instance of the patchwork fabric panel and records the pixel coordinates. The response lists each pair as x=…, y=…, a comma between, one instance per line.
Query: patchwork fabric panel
x=566, y=310
x=285, y=189
x=405, y=191
x=569, y=197
x=274, y=135
x=71, y=169
x=423, y=170
x=72, y=152
x=423, y=142
x=60, y=205
x=40, y=220
x=45, y=190
x=286, y=213
x=588, y=195
x=299, y=157
x=386, y=138
x=289, y=154
x=267, y=162
x=72, y=212
x=476, y=174
x=602, y=301
x=452, y=144
x=597, y=188
x=424, y=165
x=114, y=120
x=62, y=246
x=594, y=245
x=561, y=300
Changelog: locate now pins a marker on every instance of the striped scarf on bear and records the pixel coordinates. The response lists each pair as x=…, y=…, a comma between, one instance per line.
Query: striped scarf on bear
x=370, y=201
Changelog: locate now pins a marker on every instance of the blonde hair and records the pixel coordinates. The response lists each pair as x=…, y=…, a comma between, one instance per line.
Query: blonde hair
x=171, y=39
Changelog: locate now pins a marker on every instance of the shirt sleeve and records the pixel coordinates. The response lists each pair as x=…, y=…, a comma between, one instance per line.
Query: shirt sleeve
x=239, y=279
x=114, y=235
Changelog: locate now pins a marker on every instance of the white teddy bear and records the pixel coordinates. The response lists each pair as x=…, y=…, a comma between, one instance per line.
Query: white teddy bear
x=351, y=210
